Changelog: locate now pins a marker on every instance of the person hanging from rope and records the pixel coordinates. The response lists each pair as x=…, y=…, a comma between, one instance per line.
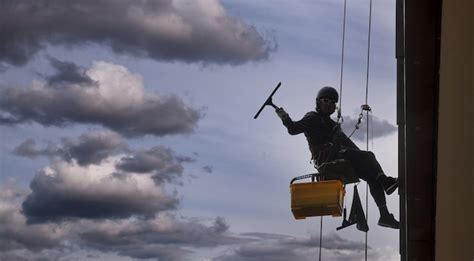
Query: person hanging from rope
x=327, y=142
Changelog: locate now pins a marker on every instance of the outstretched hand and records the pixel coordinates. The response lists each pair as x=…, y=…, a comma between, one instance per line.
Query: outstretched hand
x=282, y=113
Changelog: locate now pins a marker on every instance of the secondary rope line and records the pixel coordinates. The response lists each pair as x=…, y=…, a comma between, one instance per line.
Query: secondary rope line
x=320, y=238
x=339, y=111
x=367, y=114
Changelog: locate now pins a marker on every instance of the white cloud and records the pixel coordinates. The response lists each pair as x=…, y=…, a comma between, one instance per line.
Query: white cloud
x=176, y=30
x=65, y=190
x=116, y=99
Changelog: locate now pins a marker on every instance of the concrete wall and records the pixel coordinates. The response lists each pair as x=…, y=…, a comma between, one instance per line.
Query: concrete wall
x=455, y=165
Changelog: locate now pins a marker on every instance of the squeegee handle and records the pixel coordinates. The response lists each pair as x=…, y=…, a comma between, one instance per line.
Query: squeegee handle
x=268, y=101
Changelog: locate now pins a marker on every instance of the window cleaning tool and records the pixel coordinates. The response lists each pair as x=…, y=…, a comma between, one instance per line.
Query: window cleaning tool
x=268, y=101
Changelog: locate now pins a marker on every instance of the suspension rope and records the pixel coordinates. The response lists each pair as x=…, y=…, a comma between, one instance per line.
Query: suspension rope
x=320, y=238
x=367, y=113
x=339, y=111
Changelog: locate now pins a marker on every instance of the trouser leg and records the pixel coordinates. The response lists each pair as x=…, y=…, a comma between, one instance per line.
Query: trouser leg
x=366, y=167
x=377, y=192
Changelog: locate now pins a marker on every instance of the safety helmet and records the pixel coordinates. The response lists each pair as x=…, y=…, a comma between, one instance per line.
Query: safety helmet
x=328, y=93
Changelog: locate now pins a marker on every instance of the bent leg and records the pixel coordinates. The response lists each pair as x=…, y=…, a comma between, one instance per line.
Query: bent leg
x=366, y=167
x=377, y=192
x=364, y=163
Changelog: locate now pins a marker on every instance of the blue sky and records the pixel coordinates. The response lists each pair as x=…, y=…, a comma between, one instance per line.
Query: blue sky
x=182, y=170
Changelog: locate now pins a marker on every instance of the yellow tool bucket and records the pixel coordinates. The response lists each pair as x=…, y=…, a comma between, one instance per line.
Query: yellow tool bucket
x=320, y=198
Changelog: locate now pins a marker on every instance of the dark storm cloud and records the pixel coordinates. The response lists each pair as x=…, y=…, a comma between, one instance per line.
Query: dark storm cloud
x=378, y=128
x=89, y=148
x=169, y=30
x=161, y=161
x=117, y=101
x=67, y=73
x=65, y=191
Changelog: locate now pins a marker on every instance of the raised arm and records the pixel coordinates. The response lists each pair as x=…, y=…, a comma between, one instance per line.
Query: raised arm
x=307, y=123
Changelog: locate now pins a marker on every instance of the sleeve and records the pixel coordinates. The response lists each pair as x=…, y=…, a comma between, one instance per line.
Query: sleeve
x=308, y=122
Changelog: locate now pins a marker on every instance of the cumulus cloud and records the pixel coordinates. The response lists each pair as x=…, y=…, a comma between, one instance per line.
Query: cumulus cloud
x=89, y=148
x=117, y=101
x=68, y=73
x=161, y=161
x=15, y=234
x=169, y=30
x=164, y=236
x=378, y=127
x=66, y=190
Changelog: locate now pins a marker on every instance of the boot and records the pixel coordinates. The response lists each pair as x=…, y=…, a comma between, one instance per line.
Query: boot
x=389, y=221
x=389, y=184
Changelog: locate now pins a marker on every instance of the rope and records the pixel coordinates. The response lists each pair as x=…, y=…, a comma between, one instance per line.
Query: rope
x=339, y=111
x=320, y=238
x=367, y=113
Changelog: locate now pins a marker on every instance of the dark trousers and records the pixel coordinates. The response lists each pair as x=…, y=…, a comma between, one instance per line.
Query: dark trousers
x=366, y=167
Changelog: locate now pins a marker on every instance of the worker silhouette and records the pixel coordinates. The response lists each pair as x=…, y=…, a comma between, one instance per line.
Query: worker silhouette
x=327, y=142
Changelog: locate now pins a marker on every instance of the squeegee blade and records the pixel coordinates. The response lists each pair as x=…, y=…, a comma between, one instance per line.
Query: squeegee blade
x=265, y=103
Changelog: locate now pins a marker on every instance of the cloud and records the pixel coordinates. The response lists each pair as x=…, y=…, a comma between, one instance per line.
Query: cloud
x=117, y=101
x=14, y=234
x=68, y=73
x=162, y=163
x=208, y=169
x=12, y=257
x=160, y=252
x=89, y=148
x=164, y=229
x=159, y=160
x=283, y=247
x=378, y=128
x=66, y=190
x=168, y=30
x=164, y=236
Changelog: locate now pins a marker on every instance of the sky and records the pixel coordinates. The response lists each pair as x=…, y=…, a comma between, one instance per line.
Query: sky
x=127, y=128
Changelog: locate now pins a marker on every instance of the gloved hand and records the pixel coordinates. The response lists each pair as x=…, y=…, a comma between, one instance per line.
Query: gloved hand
x=282, y=113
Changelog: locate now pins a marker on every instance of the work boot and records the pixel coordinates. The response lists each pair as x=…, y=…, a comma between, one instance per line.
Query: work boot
x=389, y=221
x=389, y=184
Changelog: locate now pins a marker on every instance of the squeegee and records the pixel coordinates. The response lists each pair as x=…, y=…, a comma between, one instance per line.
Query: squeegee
x=268, y=101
